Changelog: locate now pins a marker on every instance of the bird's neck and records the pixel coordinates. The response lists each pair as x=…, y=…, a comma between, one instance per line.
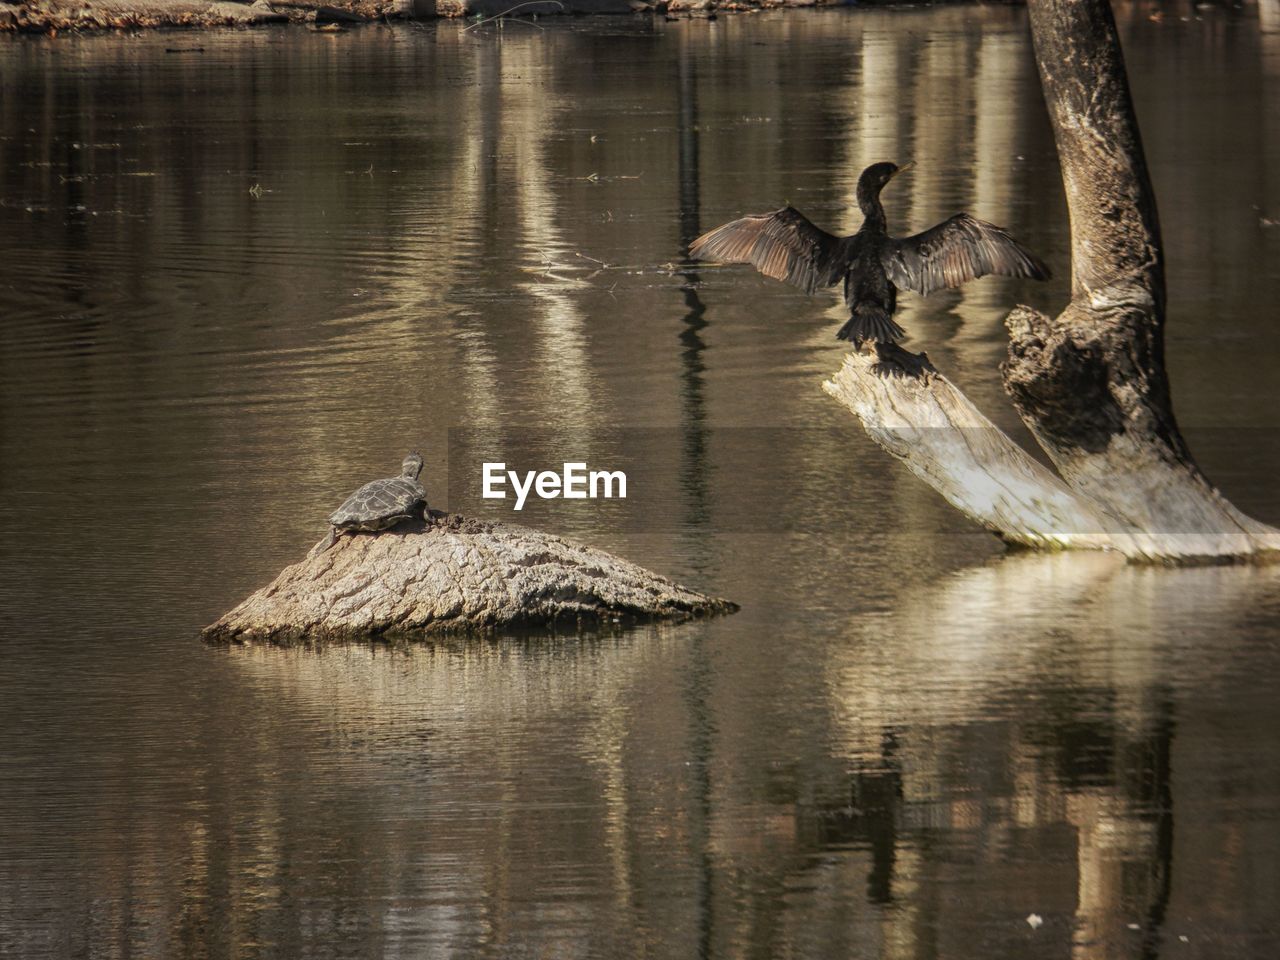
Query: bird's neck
x=872, y=211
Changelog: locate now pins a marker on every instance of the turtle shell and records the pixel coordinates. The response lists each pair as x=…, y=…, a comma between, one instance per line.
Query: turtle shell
x=380, y=504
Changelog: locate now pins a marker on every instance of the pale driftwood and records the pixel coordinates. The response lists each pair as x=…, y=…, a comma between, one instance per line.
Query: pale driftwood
x=919, y=416
x=922, y=419
x=1090, y=384
x=452, y=574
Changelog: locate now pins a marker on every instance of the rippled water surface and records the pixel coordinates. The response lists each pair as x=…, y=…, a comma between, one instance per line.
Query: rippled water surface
x=242, y=272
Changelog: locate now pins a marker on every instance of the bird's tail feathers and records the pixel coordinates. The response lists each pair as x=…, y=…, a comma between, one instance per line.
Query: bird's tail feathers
x=870, y=323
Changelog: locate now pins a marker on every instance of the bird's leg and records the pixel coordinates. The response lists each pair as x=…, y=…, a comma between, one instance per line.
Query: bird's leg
x=893, y=361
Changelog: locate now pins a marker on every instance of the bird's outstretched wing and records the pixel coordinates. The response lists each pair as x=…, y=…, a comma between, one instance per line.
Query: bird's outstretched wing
x=957, y=251
x=783, y=245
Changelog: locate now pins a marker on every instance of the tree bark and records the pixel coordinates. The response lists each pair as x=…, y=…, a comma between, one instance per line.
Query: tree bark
x=1091, y=384
x=922, y=419
x=452, y=574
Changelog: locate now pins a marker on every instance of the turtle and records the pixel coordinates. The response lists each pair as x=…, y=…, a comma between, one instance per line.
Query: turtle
x=380, y=504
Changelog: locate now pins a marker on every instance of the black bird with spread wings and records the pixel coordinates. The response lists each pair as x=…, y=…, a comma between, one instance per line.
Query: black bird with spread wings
x=873, y=265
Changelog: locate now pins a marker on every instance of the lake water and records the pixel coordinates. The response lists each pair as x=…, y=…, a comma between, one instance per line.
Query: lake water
x=243, y=272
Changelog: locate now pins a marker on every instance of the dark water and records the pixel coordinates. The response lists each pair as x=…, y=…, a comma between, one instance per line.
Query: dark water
x=240, y=280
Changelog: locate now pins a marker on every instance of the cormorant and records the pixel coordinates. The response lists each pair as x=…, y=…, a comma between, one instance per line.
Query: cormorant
x=786, y=246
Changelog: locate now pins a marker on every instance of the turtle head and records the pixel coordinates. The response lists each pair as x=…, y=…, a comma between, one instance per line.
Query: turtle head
x=412, y=466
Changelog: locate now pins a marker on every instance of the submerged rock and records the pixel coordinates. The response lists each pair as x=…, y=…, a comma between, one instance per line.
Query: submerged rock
x=453, y=574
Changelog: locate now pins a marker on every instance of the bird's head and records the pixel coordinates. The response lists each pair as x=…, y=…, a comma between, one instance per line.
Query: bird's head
x=874, y=178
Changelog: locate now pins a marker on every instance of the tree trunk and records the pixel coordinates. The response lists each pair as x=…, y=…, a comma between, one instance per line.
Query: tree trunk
x=1091, y=384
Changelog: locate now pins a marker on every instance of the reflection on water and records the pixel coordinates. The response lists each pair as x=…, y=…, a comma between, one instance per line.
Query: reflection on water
x=236, y=283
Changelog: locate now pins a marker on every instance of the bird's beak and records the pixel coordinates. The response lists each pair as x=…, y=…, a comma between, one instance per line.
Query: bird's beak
x=905, y=167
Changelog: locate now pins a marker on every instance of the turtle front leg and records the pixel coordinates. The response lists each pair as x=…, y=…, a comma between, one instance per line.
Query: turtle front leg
x=326, y=543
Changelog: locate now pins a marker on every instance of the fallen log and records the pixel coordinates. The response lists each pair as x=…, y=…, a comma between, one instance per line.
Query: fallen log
x=919, y=416
x=453, y=574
